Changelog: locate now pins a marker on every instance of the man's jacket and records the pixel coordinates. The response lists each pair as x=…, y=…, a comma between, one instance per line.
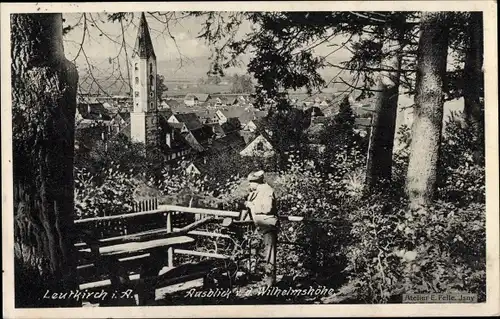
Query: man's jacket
x=262, y=203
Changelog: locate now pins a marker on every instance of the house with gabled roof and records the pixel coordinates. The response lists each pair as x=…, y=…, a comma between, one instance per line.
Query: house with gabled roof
x=251, y=126
x=198, y=167
x=232, y=142
x=222, y=101
x=247, y=136
x=231, y=100
x=231, y=125
x=216, y=129
x=190, y=119
x=92, y=113
x=166, y=114
x=255, y=122
x=171, y=103
x=124, y=132
x=206, y=116
x=249, y=115
x=110, y=107
x=202, y=97
x=224, y=114
x=176, y=140
x=119, y=121
x=195, y=140
x=191, y=99
x=259, y=147
x=194, y=99
x=193, y=131
x=123, y=116
x=163, y=105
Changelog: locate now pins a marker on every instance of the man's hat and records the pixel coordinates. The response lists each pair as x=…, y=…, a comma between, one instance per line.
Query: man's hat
x=256, y=177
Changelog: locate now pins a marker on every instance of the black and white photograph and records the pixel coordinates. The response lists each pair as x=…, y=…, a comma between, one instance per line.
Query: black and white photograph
x=160, y=156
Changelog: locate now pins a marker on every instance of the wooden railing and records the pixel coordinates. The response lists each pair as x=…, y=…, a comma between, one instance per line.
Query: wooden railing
x=170, y=230
x=124, y=228
x=132, y=249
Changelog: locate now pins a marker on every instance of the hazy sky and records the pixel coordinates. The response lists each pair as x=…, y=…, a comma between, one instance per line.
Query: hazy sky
x=103, y=45
x=105, y=51
x=98, y=46
x=105, y=39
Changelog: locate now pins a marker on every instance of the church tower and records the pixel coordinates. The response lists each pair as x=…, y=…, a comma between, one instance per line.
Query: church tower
x=144, y=118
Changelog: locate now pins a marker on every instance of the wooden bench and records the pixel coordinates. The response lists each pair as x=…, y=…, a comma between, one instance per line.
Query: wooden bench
x=129, y=251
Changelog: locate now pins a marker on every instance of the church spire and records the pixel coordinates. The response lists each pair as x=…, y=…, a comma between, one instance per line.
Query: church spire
x=143, y=44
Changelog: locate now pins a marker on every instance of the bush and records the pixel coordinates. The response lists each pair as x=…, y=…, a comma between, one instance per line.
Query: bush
x=111, y=195
x=395, y=251
x=303, y=190
x=461, y=177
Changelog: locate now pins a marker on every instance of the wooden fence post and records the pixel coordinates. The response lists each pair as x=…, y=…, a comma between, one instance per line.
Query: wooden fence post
x=170, y=252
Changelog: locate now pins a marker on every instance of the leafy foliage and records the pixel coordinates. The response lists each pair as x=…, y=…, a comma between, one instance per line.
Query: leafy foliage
x=462, y=164
x=111, y=195
x=345, y=149
x=241, y=84
x=437, y=249
x=396, y=251
x=304, y=191
x=285, y=127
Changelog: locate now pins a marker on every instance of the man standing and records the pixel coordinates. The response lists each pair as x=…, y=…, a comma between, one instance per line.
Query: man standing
x=261, y=204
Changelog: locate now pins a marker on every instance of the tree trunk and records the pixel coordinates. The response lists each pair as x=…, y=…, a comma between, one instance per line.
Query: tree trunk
x=379, y=160
x=473, y=74
x=428, y=111
x=44, y=88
